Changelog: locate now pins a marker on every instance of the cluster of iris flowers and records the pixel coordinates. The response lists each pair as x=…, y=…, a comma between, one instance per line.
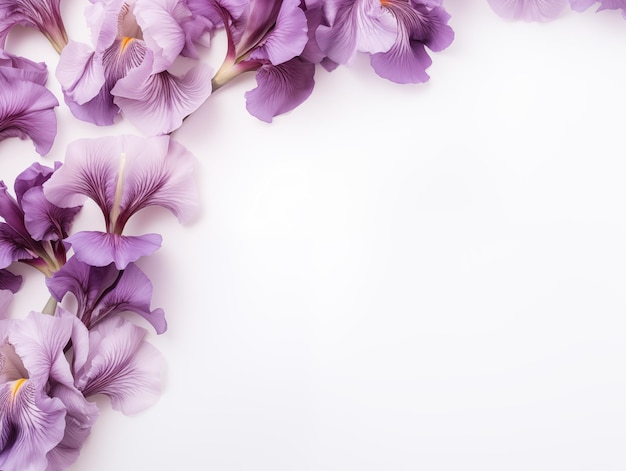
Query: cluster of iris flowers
x=144, y=65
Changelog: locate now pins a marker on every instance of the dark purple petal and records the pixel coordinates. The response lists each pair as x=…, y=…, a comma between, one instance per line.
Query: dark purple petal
x=44, y=220
x=528, y=10
x=27, y=111
x=158, y=103
x=100, y=248
x=121, y=365
x=280, y=88
x=106, y=291
x=9, y=281
x=35, y=175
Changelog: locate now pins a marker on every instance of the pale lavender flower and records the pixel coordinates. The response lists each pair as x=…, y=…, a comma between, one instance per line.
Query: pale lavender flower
x=44, y=418
x=395, y=33
x=123, y=175
x=528, y=10
x=43, y=15
x=267, y=36
x=101, y=292
x=130, y=67
x=33, y=229
x=26, y=105
x=118, y=362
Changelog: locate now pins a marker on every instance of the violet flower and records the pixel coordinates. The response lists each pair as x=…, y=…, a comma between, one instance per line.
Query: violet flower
x=33, y=229
x=395, y=33
x=123, y=175
x=43, y=15
x=266, y=36
x=26, y=105
x=9, y=285
x=528, y=10
x=44, y=418
x=101, y=292
x=130, y=67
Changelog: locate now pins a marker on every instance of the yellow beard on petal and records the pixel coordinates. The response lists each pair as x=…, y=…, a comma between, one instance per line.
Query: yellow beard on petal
x=15, y=387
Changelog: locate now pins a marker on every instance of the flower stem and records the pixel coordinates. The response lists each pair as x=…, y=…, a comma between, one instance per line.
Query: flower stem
x=50, y=307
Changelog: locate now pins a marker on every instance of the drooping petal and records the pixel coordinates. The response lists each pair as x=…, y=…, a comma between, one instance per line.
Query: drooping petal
x=19, y=68
x=528, y=10
x=9, y=284
x=125, y=174
x=121, y=365
x=105, y=291
x=158, y=103
x=101, y=248
x=161, y=24
x=407, y=60
x=287, y=38
x=27, y=111
x=355, y=25
x=280, y=88
x=44, y=220
x=80, y=72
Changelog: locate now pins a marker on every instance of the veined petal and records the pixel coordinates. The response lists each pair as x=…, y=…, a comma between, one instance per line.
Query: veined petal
x=159, y=103
x=160, y=22
x=105, y=291
x=44, y=16
x=280, y=88
x=80, y=72
x=27, y=110
x=44, y=220
x=528, y=10
x=19, y=68
x=121, y=365
x=287, y=38
x=101, y=248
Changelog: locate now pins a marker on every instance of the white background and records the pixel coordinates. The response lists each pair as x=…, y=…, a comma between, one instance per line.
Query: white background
x=391, y=278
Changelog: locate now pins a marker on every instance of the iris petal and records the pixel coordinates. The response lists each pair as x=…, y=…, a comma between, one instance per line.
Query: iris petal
x=121, y=365
x=280, y=88
x=528, y=10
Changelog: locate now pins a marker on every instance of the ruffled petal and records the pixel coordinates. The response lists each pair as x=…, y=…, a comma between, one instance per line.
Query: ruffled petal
x=288, y=37
x=100, y=248
x=44, y=220
x=27, y=111
x=80, y=72
x=122, y=365
x=280, y=88
x=158, y=103
x=18, y=68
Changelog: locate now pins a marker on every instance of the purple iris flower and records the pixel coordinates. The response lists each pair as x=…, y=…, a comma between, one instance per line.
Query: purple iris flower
x=123, y=175
x=26, y=105
x=116, y=360
x=33, y=229
x=528, y=10
x=582, y=5
x=9, y=285
x=131, y=67
x=266, y=36
x=395, y=33
x=43, y=15
x=44, y=417
x=105, y=291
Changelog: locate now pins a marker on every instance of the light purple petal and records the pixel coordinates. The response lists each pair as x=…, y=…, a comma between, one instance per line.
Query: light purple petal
x=159, y=103
x=121, y=365
x=144, y=171
x=280, y=88
x=528, y=10
x=27, y=111
x=356, y=25
x=100, y=248
x=287, y=38
x=160, y=22
x=43, y=15
x=80, y=72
